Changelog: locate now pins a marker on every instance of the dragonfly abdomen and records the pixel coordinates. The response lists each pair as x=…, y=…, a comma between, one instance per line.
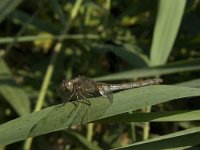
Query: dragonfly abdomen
x=116, y=87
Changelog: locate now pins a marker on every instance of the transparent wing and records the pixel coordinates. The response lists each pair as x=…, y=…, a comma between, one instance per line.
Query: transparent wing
x=106, y=91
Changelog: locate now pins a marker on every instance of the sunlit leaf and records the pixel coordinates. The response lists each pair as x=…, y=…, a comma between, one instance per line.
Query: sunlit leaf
x=166, y=28
x=187, y=115
x=56, y=118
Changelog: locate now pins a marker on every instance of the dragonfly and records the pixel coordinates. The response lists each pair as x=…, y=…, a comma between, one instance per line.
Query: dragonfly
x=83, y=87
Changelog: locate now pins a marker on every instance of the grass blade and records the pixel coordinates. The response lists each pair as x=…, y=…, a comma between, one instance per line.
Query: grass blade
x=7, y=6
x=53, y=119
x=14, y=95
x=176, y=67
x=81, y=140
x=128, y=52
x=187, y=115
x=167, y=25
x=187, y=137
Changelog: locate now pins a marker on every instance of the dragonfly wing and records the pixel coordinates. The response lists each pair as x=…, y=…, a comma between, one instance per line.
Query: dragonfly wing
x=105, y=91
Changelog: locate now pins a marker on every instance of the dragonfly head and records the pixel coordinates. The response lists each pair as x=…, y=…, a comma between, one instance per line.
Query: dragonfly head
x=65, y=89
x=68, y=85
x=65, y=86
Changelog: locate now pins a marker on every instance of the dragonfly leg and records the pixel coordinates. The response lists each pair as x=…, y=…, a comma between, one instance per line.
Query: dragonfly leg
x=68, y=100
x=149, y=81
x=74, y=102
x=140, y=82
x=79, y=96
x=86, y=100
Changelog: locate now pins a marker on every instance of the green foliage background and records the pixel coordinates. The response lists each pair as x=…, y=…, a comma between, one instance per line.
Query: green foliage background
x=44, y=42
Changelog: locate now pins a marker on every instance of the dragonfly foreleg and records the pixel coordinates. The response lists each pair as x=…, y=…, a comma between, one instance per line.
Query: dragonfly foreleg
x=68, y=100
x=79, y=95
x=86, y=100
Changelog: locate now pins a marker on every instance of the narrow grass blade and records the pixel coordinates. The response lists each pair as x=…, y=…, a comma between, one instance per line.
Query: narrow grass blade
x=20, y=17
x=14, y=95
x=176, y=67
x=167, y=25
x=184, y=115
x=31, y=38
x=192, y=83
x=7, y=6
x=189, y=137
x=127, y=52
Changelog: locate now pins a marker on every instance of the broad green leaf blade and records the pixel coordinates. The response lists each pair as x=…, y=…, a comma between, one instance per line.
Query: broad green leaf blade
x=176, y=67
x=51, y=119
x=7, y=6
x=187, y=137
x=187, y=115
x=14, y=95
x=54, y=118
x=167, y=25
x=151, y=96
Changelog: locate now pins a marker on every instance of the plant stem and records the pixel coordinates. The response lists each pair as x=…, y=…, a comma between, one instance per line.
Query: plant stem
x=146, y=127
x=50, y=68
x=90, y=128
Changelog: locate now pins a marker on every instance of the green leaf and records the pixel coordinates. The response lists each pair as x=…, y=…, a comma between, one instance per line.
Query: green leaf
x=191, y=83
x=81, y=140
x=184, y=115
x=127, y=52
x=56, y=118
x=166, y=28
x=30, y=38
x=14, y=95
x=175, y=67
x=183, y=138
x=7, y=6
x=20, y=17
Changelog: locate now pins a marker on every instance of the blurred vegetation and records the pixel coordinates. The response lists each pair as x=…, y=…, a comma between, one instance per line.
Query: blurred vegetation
x=44, y=42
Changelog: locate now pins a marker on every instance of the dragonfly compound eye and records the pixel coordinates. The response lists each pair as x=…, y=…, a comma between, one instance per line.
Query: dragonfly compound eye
x=69, y=85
